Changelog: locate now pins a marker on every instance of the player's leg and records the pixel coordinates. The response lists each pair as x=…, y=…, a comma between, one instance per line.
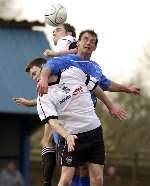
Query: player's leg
x=48, y=165
x=96, y=174
x=76, y=177
x=48, y=156
x=67, y=174
x=96, y=157
x=71, y=160
x=66, y=158
x=84, y=179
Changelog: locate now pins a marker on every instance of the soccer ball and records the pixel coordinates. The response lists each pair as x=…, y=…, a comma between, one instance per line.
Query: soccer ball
x=55, y=15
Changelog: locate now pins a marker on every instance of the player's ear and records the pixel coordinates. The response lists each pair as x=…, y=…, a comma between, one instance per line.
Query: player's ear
x=94, y=48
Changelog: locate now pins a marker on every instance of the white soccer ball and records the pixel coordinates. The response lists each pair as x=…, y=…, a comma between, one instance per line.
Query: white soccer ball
x=55, y=15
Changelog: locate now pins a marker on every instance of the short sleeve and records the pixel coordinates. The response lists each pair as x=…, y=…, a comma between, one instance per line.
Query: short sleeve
x=91, y=83
x=46, y=109
x=104, y=83
x=52, y=65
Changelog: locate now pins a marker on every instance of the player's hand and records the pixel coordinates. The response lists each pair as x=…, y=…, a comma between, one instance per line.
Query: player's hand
x=42, y=87
x=117, y=112
x=48, y=53
x=71, y=142
x=21, y=101
x=133, y=89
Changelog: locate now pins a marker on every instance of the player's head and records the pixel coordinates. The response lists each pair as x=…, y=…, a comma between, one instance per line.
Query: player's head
x=34, y=68
x=87, y=42
x=63, y=30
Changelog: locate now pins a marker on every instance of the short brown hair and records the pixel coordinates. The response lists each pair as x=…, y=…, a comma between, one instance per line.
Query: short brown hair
x=69, y=28
x=35, y=62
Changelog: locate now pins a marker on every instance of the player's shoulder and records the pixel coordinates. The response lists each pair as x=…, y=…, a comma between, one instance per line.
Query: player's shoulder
x=62, y=58
x=69, y=38
x=96, y=64
x=64, y=43
x=69, y=56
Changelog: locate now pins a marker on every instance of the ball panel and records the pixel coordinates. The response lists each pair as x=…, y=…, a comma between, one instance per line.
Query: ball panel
x=61, y=16
x=50, y=22
x=55, y=15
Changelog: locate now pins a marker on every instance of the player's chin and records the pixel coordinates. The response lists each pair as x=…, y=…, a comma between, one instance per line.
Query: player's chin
x=88, y=51
x=55, y=41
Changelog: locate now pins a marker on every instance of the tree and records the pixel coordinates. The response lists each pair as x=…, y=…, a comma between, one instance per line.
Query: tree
x=131, y=133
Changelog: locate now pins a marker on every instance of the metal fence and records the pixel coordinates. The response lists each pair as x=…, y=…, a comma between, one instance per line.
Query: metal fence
x=133, y=168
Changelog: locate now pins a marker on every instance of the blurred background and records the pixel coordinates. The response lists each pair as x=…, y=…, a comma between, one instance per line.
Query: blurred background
x=124, y=55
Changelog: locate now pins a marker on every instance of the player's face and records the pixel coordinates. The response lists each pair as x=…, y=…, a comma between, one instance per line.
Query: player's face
x=87, y=44
x=35, y=73
x=58, y=33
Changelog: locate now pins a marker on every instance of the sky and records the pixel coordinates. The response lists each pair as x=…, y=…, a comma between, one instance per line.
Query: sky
x=122, y=26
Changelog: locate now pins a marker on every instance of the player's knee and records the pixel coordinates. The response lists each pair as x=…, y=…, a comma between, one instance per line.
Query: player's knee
x=44, y=142
x=64, y=181
x=97, y=180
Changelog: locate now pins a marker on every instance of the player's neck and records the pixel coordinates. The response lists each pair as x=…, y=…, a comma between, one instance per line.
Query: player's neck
x=52, y=79
x=84, y=56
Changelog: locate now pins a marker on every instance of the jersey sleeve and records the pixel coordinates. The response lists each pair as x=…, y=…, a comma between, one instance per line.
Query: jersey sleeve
x=46, y=109
x=96, y=72
x=58, y=64
x=91, y=83
x=52, y=65
x=104, y=82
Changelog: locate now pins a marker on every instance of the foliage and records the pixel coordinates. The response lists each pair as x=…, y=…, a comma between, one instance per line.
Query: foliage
x=133, y=133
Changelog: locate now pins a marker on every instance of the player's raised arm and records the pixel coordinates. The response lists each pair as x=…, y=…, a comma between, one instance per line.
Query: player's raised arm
x=132, y=89
x=25, y=102
x=42, y=85
x=51, y=53
x=114, y=110
x=49, y=69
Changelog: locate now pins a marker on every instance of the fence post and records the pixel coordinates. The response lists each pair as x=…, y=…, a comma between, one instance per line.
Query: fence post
x=134, y=168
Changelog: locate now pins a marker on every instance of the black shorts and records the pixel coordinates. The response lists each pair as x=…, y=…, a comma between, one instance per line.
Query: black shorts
x=89, y=147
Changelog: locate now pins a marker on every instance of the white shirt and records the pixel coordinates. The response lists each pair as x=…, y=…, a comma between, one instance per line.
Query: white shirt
x=70, y=100
x=64, y=43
